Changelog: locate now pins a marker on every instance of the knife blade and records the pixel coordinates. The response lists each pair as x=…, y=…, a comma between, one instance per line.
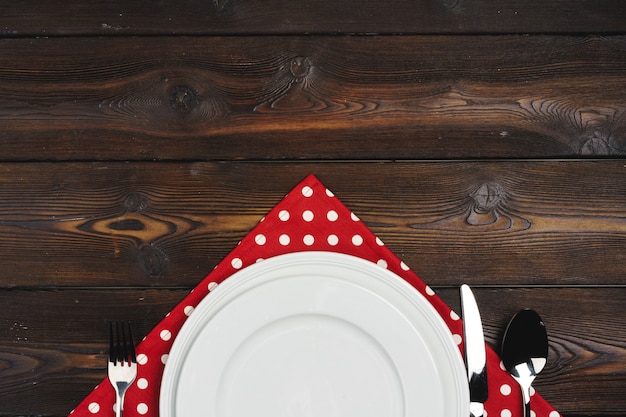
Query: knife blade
x=475, y=354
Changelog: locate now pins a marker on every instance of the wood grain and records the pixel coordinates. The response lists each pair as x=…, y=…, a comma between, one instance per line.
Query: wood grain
x=379, y=97
x=253, y=17
x=53, y=356
x=52, y=364
x=168, y=224
x=484, y=142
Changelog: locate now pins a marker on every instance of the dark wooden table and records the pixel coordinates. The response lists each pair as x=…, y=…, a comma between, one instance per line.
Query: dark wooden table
x=483, y=141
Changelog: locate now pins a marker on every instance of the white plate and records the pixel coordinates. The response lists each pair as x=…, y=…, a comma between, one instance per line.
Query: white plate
x=314, y=334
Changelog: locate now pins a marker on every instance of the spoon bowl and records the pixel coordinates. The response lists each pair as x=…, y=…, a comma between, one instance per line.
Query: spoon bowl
x=525, y=351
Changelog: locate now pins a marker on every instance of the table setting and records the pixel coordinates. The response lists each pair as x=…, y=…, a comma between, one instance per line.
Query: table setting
x=311, y=314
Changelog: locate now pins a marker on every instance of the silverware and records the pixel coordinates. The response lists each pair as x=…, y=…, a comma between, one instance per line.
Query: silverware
x=525, y=351
x=122, y=367
x=475, y=354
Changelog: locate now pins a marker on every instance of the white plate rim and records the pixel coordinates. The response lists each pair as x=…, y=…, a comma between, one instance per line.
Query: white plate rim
x=241, y=280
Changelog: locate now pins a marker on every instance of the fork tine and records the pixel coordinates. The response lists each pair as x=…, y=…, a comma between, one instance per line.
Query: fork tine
x=112, y=352
x=118, y=346
x=131, y=345
x=122, y=368
x=124, y=345
x=121, y=344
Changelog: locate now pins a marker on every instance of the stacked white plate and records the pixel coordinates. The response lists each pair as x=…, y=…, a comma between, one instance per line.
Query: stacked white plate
x=314, y=334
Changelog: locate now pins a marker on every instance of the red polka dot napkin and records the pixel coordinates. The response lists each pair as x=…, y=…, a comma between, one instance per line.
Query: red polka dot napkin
x=309, y=218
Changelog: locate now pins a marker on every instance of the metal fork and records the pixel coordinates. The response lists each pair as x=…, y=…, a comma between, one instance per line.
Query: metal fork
x=122, y=363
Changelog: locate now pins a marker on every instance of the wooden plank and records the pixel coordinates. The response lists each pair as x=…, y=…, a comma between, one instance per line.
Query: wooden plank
x=53, y=355
x=168, y=224
x=49, y=365
x=360, y=97
x=175, y=17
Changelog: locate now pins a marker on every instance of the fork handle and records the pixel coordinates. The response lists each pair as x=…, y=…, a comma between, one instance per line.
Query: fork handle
x=119, y=404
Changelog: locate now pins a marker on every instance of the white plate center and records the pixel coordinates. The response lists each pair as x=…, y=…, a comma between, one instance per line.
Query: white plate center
x=310, y=365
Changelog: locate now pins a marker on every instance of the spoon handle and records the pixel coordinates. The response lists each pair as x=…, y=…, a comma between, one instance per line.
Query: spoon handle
x=526, y=400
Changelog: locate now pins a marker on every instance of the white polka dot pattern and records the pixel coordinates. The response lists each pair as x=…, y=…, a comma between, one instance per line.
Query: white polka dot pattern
x=284, y=215
x=142, y=383
x=142, y=408
x=284, y=239
x=94, y=408
x=309, y=218
x=188, y=310
x=308, y=240
x=237, y=263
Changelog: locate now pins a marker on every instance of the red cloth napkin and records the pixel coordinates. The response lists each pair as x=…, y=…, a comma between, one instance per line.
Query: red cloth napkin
x=310, y=217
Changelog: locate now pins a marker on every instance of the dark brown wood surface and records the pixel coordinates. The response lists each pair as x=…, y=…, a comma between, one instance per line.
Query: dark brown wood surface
x=321, y=97
x=168, y=224
x=483, y=142
x=201, y=17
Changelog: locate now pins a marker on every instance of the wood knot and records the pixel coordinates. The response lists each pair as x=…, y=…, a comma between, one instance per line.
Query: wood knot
x=153, y=260
x=300, y=67
x=222, y=7
x=128, y=225
x=487, y=200
x=135, y=202
x=183, y=99
x=596, y=145
x=454, y=5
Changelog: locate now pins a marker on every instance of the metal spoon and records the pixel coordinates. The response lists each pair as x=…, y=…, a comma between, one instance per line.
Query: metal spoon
x=525, y=351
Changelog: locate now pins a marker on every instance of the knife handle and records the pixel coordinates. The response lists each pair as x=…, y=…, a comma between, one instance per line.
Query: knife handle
x=479, y=386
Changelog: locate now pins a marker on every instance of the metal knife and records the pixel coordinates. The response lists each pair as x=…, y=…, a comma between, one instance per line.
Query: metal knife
x=475, y=354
